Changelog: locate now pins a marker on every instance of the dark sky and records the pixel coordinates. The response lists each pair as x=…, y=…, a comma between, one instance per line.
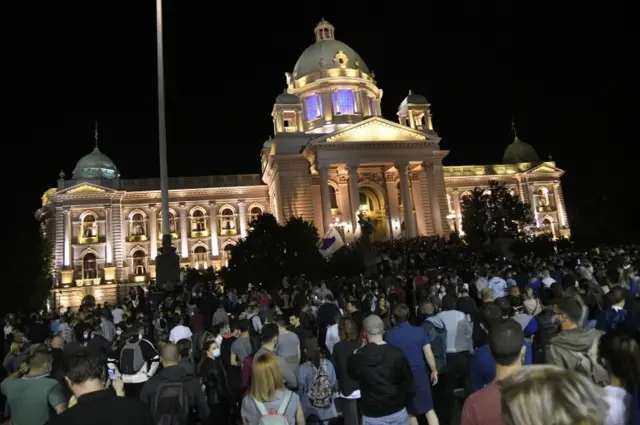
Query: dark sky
x=559, y=74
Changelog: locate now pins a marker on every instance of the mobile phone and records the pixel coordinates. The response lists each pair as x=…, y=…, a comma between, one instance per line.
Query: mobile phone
x=112, y=374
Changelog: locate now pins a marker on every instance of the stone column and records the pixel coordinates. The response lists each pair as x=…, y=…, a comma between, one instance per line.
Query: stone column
x=436, y=216
x=242, y=215
x=458, y=210
x=559, y=205
x=153, y=231
x=184, y=244
x=109, y=267
x=68, y=234
x=213, y=228
x=412, y=121
x=409, y=224
x=354, y=197
x=325, y=198
x=534, y=204
x=108, y=235
x=66, y=273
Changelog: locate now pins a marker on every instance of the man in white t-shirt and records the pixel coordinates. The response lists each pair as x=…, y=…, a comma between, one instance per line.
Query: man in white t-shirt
x=547, y=280
x=117, y=314
x=179, y=332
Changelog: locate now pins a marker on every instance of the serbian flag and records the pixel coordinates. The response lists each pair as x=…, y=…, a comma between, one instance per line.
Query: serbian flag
x=331, y=243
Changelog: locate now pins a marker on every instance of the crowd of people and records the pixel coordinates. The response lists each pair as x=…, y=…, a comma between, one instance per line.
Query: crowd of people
x=442, y=335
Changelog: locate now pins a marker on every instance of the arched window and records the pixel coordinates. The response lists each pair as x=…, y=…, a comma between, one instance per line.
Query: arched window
x=333, y=198
x=543, y=197
x=450, y=204
x=227, y=222
x=198, y=221
x=254, y=213
x=200, y=257
x=172, y=224
x=89, y=226
x=139, y=260
x=138, y=225
x=89, y=265
x=547, y=226
x=226, y=254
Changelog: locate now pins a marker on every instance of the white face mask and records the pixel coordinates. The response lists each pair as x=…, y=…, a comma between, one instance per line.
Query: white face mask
x=216, y=353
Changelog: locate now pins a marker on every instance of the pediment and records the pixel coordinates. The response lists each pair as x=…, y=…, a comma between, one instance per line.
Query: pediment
x=374, y=129
x=544, y=169
x=85, y=188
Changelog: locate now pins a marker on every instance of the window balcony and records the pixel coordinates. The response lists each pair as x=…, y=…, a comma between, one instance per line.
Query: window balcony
x=290, y=129
x=173, y=236
x=88, y=282
x=228, y=232
x=88, y=240
x=138, y=238
x=199, y=233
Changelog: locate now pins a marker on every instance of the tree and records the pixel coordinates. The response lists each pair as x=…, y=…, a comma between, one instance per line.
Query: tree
x=271, y=251
x=493, y=214
x=31, y=278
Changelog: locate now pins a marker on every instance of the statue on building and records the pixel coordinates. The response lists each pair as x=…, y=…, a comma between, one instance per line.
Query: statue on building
x=364, y=245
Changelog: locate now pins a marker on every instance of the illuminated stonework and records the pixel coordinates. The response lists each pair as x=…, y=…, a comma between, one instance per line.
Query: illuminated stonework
x=332, y=157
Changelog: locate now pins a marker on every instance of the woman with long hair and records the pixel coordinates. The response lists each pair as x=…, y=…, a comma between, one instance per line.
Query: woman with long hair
x=620, y=355
x=348, y=400
x=213, y=377
x=316, y=383
x=268, y=394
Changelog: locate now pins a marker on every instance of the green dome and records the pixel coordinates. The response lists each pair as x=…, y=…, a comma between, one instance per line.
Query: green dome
x=518, y=152
x=414, y=99
x=95, y=165
x=287, y=99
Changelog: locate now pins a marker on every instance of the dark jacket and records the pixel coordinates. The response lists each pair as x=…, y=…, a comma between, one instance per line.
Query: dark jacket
x=197, y=399
x=104, y=408
x=341, y=353
x=386, y=381
x=215, y=381
x=546, y=330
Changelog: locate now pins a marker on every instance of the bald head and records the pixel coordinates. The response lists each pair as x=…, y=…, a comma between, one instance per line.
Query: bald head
x=169, y=354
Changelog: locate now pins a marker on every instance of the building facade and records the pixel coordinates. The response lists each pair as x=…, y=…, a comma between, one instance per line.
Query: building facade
x=332, y=156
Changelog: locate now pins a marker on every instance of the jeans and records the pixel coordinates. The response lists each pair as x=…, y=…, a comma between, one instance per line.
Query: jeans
x=401, y=417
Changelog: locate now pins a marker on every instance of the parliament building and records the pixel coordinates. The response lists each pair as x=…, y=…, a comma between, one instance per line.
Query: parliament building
x=332, y=156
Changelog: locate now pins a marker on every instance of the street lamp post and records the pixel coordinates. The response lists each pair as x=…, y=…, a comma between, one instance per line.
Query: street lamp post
x=167, y=263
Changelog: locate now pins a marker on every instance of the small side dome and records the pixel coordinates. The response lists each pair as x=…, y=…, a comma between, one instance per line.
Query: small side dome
x=268, y=143
x=287, y=99
x=518, y=152
x=95, y=165
x=413, y=99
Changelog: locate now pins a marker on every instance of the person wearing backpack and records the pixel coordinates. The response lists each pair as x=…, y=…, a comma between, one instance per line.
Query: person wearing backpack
x=175, y=397
x=316, y=384
x=138, y=360
x=575, y=348
x=268, y=401
x=437, y=334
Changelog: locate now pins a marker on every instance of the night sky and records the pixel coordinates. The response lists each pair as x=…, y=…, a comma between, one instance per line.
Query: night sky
x=560, y=76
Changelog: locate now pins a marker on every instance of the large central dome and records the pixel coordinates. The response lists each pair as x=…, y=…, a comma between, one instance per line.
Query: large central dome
x=95, y=165
x=327, y=53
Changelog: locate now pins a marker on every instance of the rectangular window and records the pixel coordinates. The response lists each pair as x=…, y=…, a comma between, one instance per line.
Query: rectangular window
x=313, y=107
x=372, y=106
x=343, y=102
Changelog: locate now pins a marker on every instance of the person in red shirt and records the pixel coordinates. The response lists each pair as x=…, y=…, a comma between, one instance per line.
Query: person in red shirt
x=506, y=342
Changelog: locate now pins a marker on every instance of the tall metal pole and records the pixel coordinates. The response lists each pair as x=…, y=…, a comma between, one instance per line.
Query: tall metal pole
x=167, y=263
x=162, y=131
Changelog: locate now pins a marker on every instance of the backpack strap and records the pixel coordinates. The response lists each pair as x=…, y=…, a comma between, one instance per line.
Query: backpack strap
x=261, y=407
x=285, y=403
